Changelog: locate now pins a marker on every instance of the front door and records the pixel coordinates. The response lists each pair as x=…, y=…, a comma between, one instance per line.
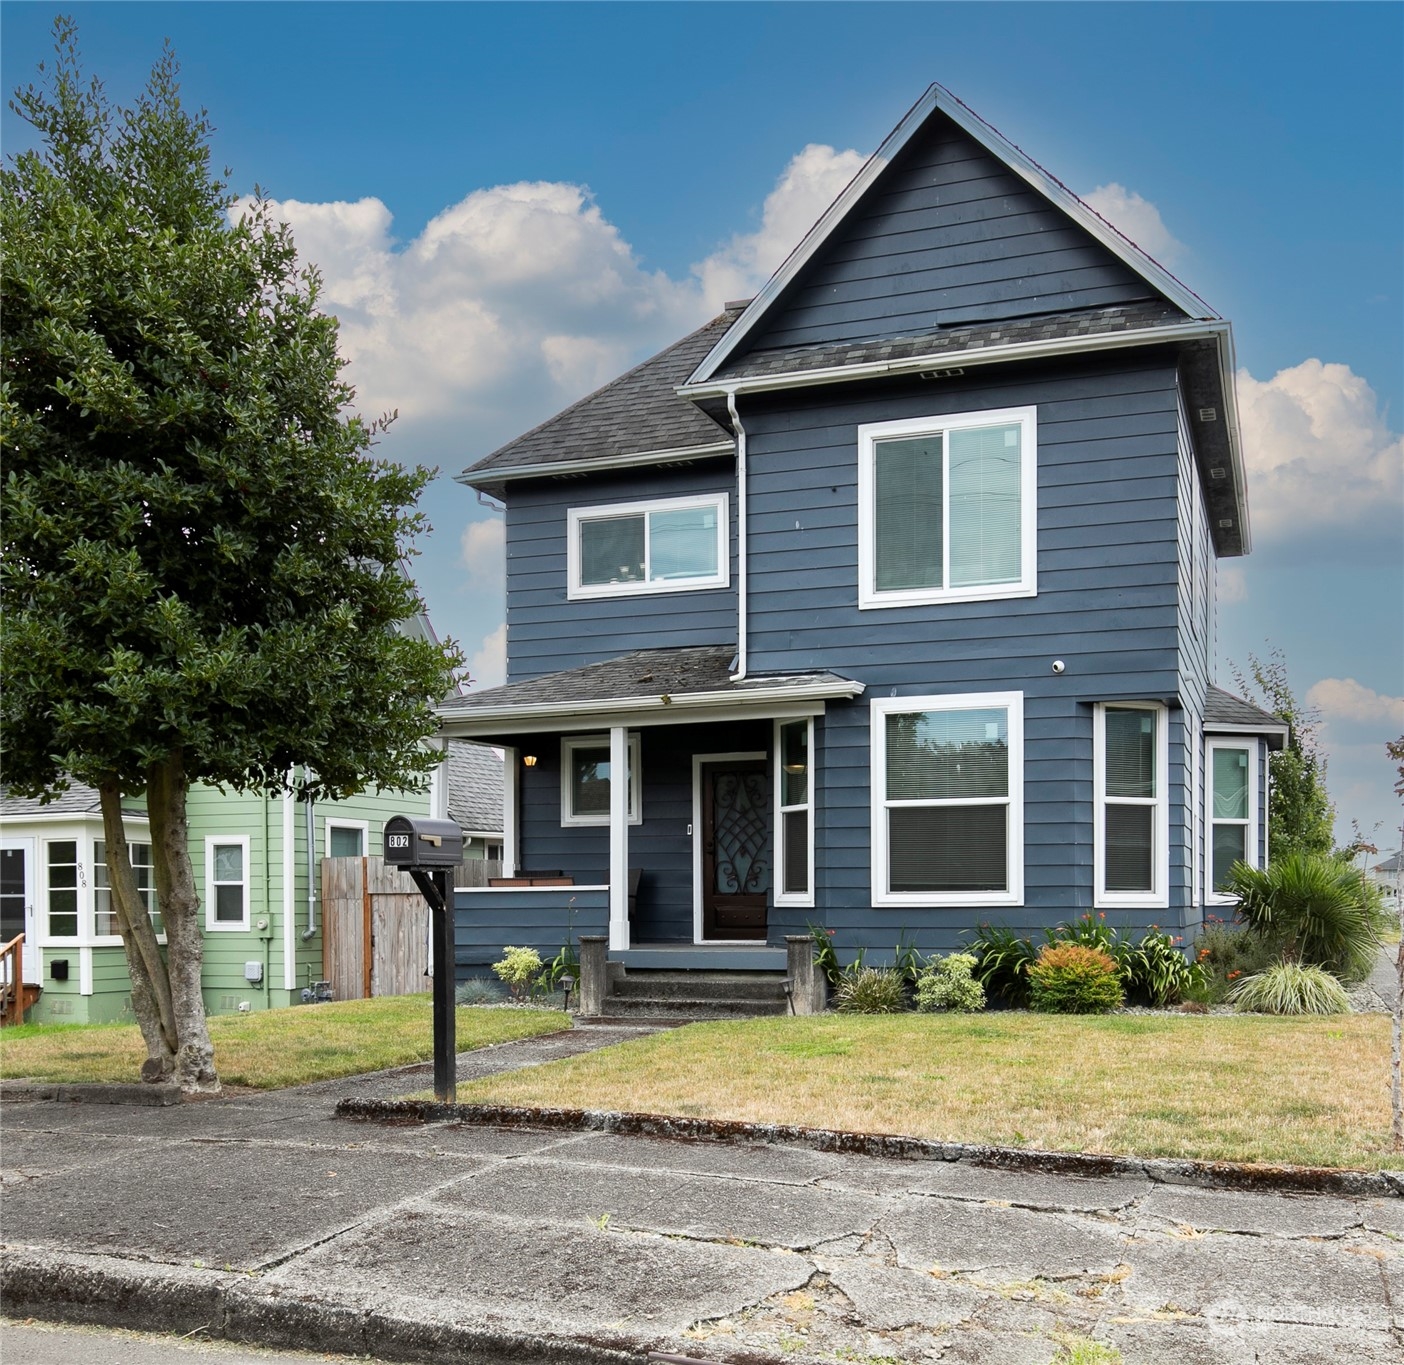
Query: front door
x=17, y=901
x=736, y=857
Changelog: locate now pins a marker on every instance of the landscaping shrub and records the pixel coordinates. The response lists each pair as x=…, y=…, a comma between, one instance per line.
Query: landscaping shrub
x=519, y=968
x=1226, y=953
x=1290, y=988
x=1314, y=909
x=1069, y=978
x=1003, y=960
x=870, y=990
x=1089, y=932
x=948, y=984
x=479, y=992
x=1156, y=971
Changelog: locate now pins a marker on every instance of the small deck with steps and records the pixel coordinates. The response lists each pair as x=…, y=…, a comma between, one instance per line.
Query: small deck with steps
x=654, y=993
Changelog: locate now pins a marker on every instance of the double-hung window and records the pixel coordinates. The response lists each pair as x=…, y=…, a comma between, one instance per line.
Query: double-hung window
x=1231, y=817
x=627, y=548
x=947, y=799
x=585, y=778
x=104, y=915
x=794, y=802
x=1131, y=785
x=227, y=882
x=947, y=508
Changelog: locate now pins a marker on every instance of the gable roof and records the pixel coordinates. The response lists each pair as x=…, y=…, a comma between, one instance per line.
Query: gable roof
x=473, y=774
x=938, y=100
x=637, y=419
x=1226, y=714
x=76, y=799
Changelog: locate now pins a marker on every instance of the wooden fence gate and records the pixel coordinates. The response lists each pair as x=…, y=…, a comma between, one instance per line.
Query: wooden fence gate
x=376, y=926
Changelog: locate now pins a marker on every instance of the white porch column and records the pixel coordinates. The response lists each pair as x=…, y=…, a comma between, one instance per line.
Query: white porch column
x=618, y=839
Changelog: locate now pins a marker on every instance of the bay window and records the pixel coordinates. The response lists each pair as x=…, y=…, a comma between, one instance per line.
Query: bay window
x=104, y=916
x=1131, y=784
x=1231, y=817
x=947, y=800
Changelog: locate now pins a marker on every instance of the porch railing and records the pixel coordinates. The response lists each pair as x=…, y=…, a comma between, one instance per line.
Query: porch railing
x=12, y=993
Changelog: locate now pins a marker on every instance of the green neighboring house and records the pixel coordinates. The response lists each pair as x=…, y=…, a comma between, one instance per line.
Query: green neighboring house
x=257, y=867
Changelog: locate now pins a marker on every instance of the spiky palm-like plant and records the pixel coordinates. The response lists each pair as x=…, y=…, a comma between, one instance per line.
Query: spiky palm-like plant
x=1318, y=909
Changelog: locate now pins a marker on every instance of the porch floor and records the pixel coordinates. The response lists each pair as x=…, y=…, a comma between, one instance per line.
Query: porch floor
x=702, y=957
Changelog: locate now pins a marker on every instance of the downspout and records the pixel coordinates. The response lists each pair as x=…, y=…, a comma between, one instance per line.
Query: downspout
x=311, y=821
x=740, y=674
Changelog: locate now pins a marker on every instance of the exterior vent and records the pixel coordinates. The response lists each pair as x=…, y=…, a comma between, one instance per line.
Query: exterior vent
x=1225, y=522
x=1208, y=414
x=1218, y=473
x=952, y=373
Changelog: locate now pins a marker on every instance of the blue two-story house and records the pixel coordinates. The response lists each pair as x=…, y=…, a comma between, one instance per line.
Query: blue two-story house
x=885, y=601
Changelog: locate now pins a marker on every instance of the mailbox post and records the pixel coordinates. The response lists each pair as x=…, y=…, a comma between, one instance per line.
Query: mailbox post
x=429, y=850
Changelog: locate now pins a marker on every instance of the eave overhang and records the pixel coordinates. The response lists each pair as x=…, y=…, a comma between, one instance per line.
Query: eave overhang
x=492, y=481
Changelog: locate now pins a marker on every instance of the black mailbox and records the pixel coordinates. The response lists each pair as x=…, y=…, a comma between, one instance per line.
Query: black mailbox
x=411, y=842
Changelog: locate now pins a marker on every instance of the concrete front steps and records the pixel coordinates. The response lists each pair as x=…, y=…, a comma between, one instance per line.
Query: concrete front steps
x=655, y=994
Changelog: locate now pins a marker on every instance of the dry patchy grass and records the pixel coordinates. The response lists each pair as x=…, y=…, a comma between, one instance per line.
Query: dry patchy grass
x=272, y=1048
x=1303, y=1091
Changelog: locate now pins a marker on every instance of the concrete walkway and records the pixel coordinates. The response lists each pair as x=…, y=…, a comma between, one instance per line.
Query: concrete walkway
x=266, y=1219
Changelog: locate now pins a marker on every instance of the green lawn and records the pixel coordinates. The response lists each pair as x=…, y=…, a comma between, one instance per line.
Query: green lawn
x=1303, y=1091
x=272, y=1048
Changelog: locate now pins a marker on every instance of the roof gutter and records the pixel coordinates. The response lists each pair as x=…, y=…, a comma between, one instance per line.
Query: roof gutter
x=601, y=464
x=740, y=673
x=941, y=360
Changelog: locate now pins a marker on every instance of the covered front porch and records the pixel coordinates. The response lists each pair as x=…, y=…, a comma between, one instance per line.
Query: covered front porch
x=703, y=858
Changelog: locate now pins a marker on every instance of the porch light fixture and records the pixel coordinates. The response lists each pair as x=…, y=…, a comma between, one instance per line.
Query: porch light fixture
x=529, y=760
x=794, y=767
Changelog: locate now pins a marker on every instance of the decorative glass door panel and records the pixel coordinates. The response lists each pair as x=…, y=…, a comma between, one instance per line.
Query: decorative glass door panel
x=736, y=849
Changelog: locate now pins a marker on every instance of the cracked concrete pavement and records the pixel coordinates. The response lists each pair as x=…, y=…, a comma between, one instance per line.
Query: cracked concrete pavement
x=267, y=1219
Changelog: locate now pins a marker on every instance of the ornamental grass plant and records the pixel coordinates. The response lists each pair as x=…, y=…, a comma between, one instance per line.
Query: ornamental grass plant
x=871, y=990
x=1290, y=988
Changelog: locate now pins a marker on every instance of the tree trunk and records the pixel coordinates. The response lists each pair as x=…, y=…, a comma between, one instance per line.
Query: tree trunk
x=166, y=790
x=1396, y=1090
x=151, y=991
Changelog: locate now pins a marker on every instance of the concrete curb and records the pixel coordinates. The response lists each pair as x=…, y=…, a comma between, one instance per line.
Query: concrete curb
x=92, y=1092
x=107, y=1291
x=1219, y=1175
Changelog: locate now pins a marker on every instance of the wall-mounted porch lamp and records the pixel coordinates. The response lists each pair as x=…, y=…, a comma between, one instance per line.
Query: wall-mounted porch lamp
x=529, y=760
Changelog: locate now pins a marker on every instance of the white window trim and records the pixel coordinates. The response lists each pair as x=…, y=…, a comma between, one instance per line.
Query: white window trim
x=212, y=925
x=568, y=747
x=1251, y=851
x=1158, y=897
x=577, y=591
x=781, y=897
x=870, y=433
x=108, y=940
x=331, y=824
x=83, y=932
x=1013, y=705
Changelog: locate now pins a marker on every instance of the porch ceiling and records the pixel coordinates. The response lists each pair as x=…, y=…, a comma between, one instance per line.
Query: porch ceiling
x=646, y=687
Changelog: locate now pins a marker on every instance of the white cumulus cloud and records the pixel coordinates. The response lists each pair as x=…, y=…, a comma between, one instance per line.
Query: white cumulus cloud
x=1344, y=699
x=1320, y=457
x=1137, y=219
x=488, y=665
x=480, y=552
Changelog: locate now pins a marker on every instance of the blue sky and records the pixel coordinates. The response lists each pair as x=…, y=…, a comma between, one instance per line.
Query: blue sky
x=513, y=202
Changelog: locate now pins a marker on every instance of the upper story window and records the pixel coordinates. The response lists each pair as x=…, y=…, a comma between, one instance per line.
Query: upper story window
x=1131, y=782
x=669, y=545
x=947, y=508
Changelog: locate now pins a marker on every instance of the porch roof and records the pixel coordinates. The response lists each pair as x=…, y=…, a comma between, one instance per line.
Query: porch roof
x=646, y=687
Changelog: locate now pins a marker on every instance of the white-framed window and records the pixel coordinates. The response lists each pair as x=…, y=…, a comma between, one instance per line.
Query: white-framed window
x=794, y=812
x=1130, y=778
x=347, y=838
x=948, y=799
x=663, y=545
x=104, y=916
x=63, y=879
x=227, y=881
x=585, y=780
x=1230, y=812
x=492, y=850
x=947, y=508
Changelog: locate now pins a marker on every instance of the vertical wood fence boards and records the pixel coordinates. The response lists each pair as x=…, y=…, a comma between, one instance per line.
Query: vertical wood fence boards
x=376, y=926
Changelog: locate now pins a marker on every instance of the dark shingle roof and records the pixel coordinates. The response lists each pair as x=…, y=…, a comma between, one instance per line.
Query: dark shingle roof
x=1223, y=708
x=1390, y=864
x=474, y=779
x=643, y=674
x=636, y=413
x=954, y=340
x=78, y=799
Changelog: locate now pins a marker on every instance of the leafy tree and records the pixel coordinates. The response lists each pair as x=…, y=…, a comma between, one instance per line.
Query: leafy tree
x=1300, y=813
x=202, y=561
